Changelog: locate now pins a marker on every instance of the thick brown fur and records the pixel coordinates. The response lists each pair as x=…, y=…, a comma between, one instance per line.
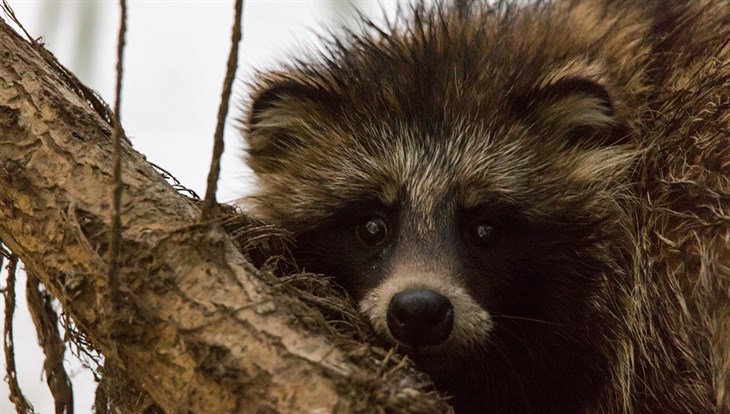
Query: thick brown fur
x=605, y=122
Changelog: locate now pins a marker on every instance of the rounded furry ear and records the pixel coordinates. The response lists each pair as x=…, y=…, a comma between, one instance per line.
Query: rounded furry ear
x=278, y=117
x=275, y=92
x=574, y=101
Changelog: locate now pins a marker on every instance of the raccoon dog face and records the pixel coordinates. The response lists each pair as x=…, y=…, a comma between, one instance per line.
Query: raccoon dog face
x=463, y=183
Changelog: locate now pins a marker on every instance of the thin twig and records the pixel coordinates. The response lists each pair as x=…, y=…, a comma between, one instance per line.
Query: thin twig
x=11, y=14
x=209, y=202
x=45, y=319
x=22, y=405
x=115, y=243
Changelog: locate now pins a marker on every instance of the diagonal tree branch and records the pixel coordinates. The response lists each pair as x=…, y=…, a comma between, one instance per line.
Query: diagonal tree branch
x=198, y=329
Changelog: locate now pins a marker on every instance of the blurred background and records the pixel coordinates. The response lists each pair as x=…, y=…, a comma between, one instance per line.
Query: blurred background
x=173, y=75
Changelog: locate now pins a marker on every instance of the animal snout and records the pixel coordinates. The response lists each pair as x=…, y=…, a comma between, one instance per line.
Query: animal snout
x=420, y=317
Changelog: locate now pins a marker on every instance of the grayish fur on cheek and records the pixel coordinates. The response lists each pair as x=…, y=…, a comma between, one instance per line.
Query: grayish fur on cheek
x=471, y=322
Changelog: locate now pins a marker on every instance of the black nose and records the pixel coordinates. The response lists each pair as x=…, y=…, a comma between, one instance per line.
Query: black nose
x=420, y=317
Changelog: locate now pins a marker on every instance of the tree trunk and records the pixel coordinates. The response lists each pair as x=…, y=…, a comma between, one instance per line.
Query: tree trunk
x=198, y=329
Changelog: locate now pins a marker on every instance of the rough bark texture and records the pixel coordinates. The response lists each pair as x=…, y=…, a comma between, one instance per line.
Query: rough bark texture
x=198, y=330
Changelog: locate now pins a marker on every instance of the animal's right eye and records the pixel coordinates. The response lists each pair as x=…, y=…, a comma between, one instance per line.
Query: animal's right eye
x=373, y=231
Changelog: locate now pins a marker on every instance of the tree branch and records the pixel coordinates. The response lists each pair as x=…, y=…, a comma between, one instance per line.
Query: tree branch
x=197, y=329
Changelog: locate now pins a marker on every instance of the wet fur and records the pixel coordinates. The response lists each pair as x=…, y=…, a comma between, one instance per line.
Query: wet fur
x=597, y=132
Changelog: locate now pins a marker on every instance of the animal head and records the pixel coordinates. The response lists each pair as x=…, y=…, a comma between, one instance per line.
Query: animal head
x=461, y=177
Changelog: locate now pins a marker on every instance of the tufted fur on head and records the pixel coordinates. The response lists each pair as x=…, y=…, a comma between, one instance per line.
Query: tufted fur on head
x=592, y=136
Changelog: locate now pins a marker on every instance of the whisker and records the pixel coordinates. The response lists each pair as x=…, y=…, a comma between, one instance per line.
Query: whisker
x=522, y=318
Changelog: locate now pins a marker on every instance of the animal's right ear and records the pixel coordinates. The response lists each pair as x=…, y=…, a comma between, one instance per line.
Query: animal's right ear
x=278, y=119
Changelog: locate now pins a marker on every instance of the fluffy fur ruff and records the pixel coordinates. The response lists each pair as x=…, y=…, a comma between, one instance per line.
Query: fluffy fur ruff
x=605, y=122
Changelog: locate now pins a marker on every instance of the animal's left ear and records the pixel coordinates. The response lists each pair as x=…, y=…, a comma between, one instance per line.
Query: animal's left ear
x=574, y=101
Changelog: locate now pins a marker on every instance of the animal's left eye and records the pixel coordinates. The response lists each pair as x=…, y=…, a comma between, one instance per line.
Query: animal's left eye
x=484, y=235
x=373, y=231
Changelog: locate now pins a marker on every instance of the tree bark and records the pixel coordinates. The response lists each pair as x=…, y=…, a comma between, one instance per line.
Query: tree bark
x=198, y=329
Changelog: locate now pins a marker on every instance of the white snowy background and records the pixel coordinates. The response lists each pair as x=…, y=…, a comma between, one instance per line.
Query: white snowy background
x=174, y=68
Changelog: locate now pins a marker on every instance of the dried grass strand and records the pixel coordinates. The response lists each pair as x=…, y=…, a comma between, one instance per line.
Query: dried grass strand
x=45, y=320
x=22, y=406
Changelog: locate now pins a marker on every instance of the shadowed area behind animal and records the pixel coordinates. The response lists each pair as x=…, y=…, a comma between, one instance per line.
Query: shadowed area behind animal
x=530, y=200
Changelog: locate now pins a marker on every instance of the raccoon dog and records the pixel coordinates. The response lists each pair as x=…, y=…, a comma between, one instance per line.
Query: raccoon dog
x=531, y=200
